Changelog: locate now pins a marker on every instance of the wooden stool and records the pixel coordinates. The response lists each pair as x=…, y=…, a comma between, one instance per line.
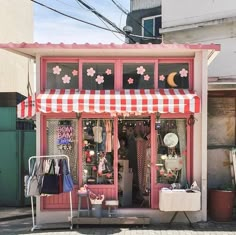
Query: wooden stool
x=86, y=196
x=112, y=205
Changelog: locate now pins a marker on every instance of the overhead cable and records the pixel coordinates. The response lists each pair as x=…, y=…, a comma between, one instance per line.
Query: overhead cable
x=99, y=19
x=74, y=18
x=106, y=20
x=119, y=6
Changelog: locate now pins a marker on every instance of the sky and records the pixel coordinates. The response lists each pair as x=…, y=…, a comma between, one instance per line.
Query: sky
x=52, y=27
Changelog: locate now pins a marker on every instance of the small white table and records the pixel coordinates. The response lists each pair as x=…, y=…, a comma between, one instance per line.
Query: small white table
x=112, y=205
x=179, y=200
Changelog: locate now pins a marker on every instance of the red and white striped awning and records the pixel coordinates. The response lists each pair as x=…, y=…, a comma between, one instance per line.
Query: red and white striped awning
x=26, y=109
x=118, y=102
x=109, y=101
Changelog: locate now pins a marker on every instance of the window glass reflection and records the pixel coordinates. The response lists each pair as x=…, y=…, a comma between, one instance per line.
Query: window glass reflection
x=172, y=150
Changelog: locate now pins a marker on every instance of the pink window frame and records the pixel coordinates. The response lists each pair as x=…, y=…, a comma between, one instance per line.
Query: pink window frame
x=118, y=65
x=189, y=167
x=189, y=61
x=43, y=68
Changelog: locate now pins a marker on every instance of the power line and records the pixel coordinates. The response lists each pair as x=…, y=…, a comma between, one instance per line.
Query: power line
x=119, y=6
x=85, y=22
x=74, y=18
x=106, y=20
x=84, y=8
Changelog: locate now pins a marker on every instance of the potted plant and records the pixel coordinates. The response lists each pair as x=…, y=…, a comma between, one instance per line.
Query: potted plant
x=221, y=203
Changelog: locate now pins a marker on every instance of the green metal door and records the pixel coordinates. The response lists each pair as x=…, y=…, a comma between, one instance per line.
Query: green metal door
x=9, y=168
x=27, y=149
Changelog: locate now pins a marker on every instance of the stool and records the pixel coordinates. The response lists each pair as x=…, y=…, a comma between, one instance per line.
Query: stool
x=111, y=204
x=85, y=196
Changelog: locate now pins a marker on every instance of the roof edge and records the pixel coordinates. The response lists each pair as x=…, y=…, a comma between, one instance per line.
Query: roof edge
x=49, y=45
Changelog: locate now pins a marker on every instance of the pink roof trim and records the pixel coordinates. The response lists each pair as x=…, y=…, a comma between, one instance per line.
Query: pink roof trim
x=49, y=45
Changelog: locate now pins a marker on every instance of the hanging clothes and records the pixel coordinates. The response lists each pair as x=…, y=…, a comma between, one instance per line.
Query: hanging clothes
x=132, y=154
x=97, y=132
x=141, y=159
x=108, y=127
x=147, y=169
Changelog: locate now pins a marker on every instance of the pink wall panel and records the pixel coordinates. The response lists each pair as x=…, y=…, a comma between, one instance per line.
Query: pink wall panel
x=61, y=201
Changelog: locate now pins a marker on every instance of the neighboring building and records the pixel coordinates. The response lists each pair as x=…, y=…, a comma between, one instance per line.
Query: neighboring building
x=145, y=20
x=116, y=112
x=17, y=138
x=16, y=26
x=206, y=21
x=209, y=21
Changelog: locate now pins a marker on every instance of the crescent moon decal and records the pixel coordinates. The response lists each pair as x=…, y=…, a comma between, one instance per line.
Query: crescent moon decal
x=170, y=79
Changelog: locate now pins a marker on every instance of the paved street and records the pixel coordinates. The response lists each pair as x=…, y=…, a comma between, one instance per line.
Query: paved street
x=23, y=226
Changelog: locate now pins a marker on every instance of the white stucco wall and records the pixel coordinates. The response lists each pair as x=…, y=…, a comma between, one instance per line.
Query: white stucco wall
x=140, y=4
x=16, y=23
x=223, y=65
x=192, y=11
x=221, y=31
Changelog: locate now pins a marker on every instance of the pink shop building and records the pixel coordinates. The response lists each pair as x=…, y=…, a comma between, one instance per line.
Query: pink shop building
x=136, y=116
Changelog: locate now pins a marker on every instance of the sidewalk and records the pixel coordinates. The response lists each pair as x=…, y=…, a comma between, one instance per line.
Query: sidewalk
x=12, y=213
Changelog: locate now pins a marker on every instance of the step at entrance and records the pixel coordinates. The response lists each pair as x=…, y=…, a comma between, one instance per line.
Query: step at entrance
x=111, y=220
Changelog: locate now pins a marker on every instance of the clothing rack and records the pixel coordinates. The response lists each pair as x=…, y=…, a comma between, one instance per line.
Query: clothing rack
x=32, y=201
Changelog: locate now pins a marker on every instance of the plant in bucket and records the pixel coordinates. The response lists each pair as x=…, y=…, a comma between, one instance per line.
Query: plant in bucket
x=96, y=202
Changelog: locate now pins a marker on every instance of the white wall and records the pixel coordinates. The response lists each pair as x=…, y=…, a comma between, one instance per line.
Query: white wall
x=16, y=24
x=191, y=11
x=223, y=65
x=141, y=4
x=222, y=32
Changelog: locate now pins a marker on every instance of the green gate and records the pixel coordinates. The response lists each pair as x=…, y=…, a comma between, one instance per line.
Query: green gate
x=17, y=144
x=16, y=148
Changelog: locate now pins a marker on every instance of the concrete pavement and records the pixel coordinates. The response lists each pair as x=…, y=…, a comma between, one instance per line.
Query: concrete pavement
x=23, y=227
x=18, y=221
x=11, y=213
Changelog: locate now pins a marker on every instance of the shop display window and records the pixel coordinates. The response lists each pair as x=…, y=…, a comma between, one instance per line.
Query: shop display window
x=62, y=76
x=98, y=76
x=173, y=75
x=138, y=76
x=97, y=158
x=172, y=151
x=62, y=138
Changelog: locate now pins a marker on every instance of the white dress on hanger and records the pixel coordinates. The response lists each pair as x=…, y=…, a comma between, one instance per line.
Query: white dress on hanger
x=97, y=132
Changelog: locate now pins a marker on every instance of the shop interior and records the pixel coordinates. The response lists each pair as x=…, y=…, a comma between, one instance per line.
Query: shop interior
x=134, y=156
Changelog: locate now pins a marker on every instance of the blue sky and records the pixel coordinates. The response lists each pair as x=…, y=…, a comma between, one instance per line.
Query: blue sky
x=49, y=26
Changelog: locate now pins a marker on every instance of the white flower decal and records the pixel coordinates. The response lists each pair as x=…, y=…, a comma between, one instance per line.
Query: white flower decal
x=108, y=72
x=130, y=80
x=90, y=72
x=56, y=70
x=162, y=78
x=74, y=72
x=183, y=73
x=99, y=79
x=146, y=77
x=66, y=79
x=140, y=70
